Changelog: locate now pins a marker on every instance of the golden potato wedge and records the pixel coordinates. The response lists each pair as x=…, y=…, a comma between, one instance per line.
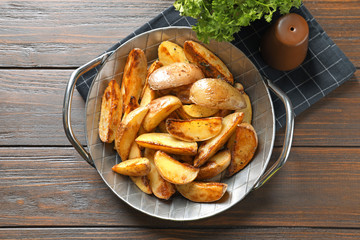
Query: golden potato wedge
x=111, y=111
x=243, y=148
x=132, y=105
x=136, y=167
x=208, y=148
x=202, y=191
x=174, y=75
x=159, y=186
x=193, y=130
x=148, y=96
x=174, y=171
x=182, y=114
x=216, y=93
x=170, y=52
x=166, y=143
x=134, y=75
x=143, y=183
x=162, y=125
x=135, y=151
x=127, y=131
x=248, y=109
x=209, y=63
x=215, y=165
x=197, y=111
x=159, y=109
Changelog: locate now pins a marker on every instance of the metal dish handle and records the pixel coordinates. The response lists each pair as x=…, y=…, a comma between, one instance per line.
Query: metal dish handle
x=68, y=100
x=289, y=130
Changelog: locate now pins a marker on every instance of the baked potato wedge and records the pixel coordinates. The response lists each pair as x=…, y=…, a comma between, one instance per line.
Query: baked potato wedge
x=209, y=63
x=141, y=182
x=148, y=94
x=166, y=143
x=169, y=52
x=193, y=130
x=136, y=167
x=197, y=111
x=202, y=191
x=135, y=151
x=127, y=131
x=216, y=93
x=215, y=165
x=159, y=186
x=174, y=171
x=134, y=75
x=132, y=105
x=182, y=114
x=208, y=148
x=111, y=111
x=174, y=75
x=243, y=148
x=159, y=109
x=248, y=109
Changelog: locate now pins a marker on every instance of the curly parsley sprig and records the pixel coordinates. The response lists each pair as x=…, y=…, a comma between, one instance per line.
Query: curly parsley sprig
x=220, y=19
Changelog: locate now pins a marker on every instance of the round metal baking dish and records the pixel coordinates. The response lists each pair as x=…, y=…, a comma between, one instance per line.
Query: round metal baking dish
x=103, y=156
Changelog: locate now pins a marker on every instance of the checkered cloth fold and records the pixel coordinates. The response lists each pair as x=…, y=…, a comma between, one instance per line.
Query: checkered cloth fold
x=324, y=69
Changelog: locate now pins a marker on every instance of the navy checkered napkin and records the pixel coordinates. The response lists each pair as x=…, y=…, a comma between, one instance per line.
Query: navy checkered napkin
x=324, y=69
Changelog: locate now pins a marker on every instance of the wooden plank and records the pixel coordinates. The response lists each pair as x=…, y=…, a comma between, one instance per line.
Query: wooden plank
x=68, y=34
x=175, y=233
x=318, y=187
x=31, y=108
x=24, y=95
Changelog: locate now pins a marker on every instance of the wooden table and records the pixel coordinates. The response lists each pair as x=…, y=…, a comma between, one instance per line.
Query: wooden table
x=49, y=192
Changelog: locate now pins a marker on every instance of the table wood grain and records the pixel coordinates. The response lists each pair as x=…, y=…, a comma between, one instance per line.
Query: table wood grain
x=48, y=191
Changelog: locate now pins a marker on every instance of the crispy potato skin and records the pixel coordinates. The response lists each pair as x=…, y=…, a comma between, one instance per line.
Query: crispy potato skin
x=148, y=94
x=134, y=75
x=133, y=104
x=141, y=182
x=127, y=131
x=159, y=109
x=170, y=52
x=243, y=148
x=208, y=148
x=159, y=186
x=216, y=93
x=215, y=165
x=209, y=63
x=165, y=142
x=174, y=171
x=248, y=109
x=174, y=75
x=136, y=167
x=194, y=129
x=111, y=111
x=202, y=191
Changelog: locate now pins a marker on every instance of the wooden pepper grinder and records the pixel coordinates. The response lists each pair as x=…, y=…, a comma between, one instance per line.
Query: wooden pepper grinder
x=284, y=45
